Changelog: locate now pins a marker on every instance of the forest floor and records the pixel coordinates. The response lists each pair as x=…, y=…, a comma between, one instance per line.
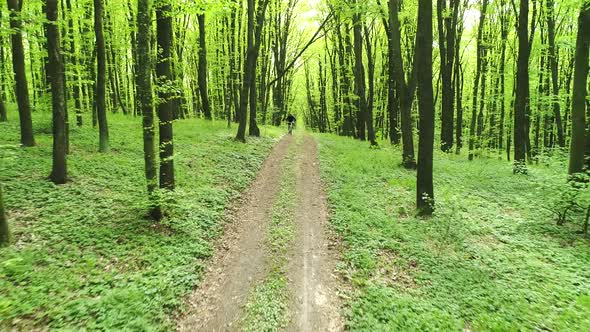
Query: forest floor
x=490, y=259
x=274, y=267
x=85, y=256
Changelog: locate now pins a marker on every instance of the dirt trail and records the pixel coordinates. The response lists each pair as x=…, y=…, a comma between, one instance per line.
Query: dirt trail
x=315, y=306
x=239, y=261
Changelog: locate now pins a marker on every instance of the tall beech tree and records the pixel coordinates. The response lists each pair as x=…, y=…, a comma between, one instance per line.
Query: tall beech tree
x=100, y=84
x=580, y=143
x=405, y=88
x=256, y=17
x=522, y=90
x=424, y=182
x=59, y=172
x=359, y=74
x=553, y=60
x=447, y=17
x=481, y=51
x=165, y=82
x=203, y=90
x=20, y=74
x=4, y=230
x=145, y=101
x=3, y=113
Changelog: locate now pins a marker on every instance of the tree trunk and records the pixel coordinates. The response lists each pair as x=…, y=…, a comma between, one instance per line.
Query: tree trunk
x=359, y=74
x=242, y=112
x=554, y=72
x=522, y=90
x=405, y=90
x=478, y=70
x=100, y=96
x=20, y=75
x=145, y=102
x=447, y=28
x=203, y=89
x=580, y=134
x=371, y=96
x=4, y=230
x=3, y=115
x=166, y=104
x=74, y=62
x=56, y=77
x=424, y=182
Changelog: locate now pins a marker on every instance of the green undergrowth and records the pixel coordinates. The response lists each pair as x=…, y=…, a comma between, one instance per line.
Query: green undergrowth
x=491, y=259
x=267, y=307
x=84, y=257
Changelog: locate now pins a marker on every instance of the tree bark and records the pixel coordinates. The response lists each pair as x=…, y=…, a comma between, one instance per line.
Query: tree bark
x=4, y=230
x=100, y=95
x=447, y=30
x=405, y=90
x=145, y=101
x=580, y=132
x=166, y=104
x=55, y=75
x=359, y=73
x=522, y=90
x=77, y=87
x=424, y=182
x=3, y=115
x=554, y=71
x=478, y=70
x=203, y=89
x=20, y=75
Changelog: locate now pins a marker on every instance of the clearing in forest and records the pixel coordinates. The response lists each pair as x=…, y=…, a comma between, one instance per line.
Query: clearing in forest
x=273, y=267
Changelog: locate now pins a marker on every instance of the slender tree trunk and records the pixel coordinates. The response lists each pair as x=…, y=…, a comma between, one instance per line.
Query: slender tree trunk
x=478, y=70
x=424, y=182
x=242, y=112
x=77, y=87
x=203, y=89
x=405, y=90
x=554, y=71
x=166, y=104
x=522, y=90
x=4, y=230
x=145, y=102
x=100, y=96
x=59, y=171
x=359, y=74
x=371, y=96
x=580, y=132
x=504, y=27
x=3, y=115
x=20, y=76
x=447, y=27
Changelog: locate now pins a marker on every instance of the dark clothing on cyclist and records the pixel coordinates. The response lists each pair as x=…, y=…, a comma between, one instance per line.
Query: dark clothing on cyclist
x=291, y=119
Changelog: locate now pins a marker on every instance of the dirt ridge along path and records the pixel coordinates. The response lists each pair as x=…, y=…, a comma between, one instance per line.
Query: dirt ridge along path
x=315, y=305
x=239, y=260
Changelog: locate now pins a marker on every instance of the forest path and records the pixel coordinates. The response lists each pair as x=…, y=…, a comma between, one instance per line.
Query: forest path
x=241, y=259
x=315, y=305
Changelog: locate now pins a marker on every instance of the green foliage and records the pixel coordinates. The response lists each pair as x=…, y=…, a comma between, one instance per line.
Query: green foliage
x=84, y=256
x=490, y=259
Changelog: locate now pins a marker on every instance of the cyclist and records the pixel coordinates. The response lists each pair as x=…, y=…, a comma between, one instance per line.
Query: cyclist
x=291, y=123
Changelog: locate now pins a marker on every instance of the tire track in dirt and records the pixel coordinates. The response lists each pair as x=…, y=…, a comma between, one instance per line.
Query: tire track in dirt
x=239, y=261
x=315, y=305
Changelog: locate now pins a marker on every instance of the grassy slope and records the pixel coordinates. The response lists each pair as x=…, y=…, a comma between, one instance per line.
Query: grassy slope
x=84, y=256
x=492, y=259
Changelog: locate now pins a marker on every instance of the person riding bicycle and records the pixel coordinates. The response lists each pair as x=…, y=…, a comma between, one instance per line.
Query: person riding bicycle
x=291, y=122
